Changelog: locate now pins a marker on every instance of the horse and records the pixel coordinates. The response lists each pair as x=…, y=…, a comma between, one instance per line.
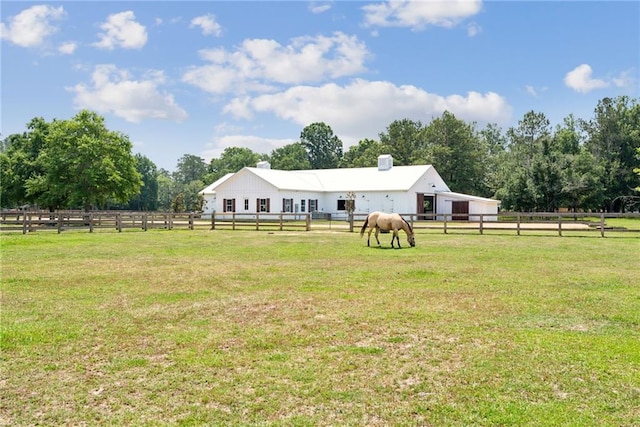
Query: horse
x=387, y=222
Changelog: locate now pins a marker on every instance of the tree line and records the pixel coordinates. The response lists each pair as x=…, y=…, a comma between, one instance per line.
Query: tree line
x=586, y=165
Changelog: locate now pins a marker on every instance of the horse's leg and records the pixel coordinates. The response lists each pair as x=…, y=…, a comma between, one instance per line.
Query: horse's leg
x=369, y=236
x=395, y=237
x=377, y=232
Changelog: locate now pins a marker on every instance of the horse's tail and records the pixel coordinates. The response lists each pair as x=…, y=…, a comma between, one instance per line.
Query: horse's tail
x=364, y=226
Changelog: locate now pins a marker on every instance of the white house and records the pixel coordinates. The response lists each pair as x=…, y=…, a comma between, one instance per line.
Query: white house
x=403, y=189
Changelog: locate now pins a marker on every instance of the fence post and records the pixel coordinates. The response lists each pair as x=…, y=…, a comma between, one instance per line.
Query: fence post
x=257, y=221
x=308, y=222
x=281, y=215
x=119, y=222
x=445, y=223
x=60, y=219
x=90, y=222
x=518, y=221
x=213, y=220
x=24, y=223
x=560, y=225
x=481, y=224
x=191, y=219
x=144, y=220
x=602, y=224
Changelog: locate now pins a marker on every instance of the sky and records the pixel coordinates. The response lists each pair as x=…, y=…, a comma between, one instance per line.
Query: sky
x=196, y=77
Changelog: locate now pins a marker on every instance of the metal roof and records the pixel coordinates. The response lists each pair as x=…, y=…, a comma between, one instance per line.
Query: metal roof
x=211, y=188
x=398, y=178
x=460, y=196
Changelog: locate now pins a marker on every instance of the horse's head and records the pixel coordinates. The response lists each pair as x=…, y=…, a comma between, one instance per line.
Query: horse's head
x=411, y=239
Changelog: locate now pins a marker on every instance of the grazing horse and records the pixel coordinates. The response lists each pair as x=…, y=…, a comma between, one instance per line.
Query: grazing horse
x=387, y=222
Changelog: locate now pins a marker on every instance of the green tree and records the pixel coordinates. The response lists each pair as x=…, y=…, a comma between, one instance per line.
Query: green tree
x=167, y=190
x=84, y=164
x=582, y=182
x=290, y=157
x=190, y=168
x=364, y=154
x=231, y=160
x=546, y=177
x=324, y=149
x=520, y=188
x=458, y=154
x=613, y=138
x=177, y=204
x=147, y=198
x=404, y=140
x=21, y=163
x=637, y=170
x=191, y=200
x=495, y=143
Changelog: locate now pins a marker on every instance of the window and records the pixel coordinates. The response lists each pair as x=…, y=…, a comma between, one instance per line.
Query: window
x=341, y=205
x=287, y=205
x=246, y=204
x=262, y=205
x=302, y=205
x=313, y=205
x=228, y=205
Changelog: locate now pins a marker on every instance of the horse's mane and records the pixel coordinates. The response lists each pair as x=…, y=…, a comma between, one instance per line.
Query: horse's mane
x=408, y=225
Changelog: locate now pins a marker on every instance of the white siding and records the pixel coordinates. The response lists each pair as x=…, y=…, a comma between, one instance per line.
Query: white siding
x=394, y=190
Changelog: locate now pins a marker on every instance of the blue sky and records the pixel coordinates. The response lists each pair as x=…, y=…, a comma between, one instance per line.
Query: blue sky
x=198, y=77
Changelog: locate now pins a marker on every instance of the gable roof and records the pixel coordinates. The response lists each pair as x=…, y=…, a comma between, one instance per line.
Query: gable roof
x=398, y=178
x=211, y=188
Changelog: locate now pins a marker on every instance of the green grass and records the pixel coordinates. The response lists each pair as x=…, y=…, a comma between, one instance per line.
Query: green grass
x=295, y=328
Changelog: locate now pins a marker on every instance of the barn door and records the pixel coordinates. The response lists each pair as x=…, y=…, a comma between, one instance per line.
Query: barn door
x=460, y=210
x=426, y=206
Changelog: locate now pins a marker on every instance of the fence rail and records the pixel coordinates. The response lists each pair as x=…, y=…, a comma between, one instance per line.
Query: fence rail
x=560, y=222
x=516, y=222
x=30, y=221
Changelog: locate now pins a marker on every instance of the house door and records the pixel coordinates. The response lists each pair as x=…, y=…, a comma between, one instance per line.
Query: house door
x=426, y=206
x=460, y=211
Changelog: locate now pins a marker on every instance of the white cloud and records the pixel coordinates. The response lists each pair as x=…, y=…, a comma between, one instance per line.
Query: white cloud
x=531, y=91
x=319, y=7
x=207, y=24
x=115, y=91
x=363, y=108
x=258, y=64
x=535, y=91
x=32, y=26
x=67, y=48
x=473, y=29
x=420, y=14
x=580, y=79
x=121, y=30
x=626, y=79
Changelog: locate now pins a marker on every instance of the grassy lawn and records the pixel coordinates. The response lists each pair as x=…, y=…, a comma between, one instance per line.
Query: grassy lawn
x=294, y=328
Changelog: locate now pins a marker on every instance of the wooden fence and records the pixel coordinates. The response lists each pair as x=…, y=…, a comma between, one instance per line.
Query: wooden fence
x=261, y=221
x=30, y=221
x=520, y=222
x=511, y=222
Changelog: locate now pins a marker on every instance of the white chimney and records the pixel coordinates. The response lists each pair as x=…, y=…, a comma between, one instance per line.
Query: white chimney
x=263, y=165
x=385, y=162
